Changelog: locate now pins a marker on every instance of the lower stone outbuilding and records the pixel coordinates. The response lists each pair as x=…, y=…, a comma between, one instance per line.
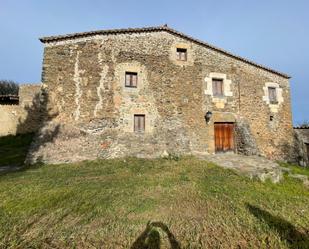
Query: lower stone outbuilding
x=22, y=113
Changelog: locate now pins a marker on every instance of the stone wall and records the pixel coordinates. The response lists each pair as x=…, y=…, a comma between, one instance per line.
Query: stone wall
x=302, y=145
x=84, y=82
x=245, y=141
x=24, y=117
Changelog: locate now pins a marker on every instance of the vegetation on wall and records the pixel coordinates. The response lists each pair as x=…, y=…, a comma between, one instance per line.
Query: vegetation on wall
x=8, y=87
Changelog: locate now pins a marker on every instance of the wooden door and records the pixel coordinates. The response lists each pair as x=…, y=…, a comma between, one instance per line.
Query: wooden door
x=224, y=137
x=307, y=147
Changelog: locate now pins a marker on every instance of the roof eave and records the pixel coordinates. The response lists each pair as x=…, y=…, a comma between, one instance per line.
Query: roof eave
x=101, y=32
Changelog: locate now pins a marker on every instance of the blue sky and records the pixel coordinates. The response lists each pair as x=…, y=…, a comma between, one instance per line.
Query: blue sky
x=271, y=32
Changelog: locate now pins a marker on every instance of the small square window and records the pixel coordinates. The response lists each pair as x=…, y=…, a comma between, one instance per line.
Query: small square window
x=139, y=123
x=131, y=79
x=217, y=87
x=181, y=54
x=272, y=93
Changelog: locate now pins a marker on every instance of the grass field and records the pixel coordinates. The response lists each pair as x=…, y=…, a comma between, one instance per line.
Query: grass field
x=190, y=204
x=295, y=169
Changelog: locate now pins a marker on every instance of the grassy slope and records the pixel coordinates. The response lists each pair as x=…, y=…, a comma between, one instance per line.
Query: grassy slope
x=295, y=169
x=107, y=204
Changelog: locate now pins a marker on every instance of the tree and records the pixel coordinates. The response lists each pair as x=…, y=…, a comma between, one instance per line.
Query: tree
x=8, y=87
x=303, y=124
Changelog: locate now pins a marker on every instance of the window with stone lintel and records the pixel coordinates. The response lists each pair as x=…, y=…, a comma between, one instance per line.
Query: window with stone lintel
x=217, y=87
x=139, y=122
x=181, y=54
x=131, y=79
x=272, y=93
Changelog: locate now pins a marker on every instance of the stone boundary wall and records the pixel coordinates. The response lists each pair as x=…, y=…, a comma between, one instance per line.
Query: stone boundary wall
x=24, y=117
x=301, y=140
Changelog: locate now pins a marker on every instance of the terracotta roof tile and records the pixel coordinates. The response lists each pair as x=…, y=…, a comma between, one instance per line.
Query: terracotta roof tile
x=157, y=29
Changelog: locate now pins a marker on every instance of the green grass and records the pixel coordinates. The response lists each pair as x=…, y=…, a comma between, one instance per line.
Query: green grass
x=13, y=149
x=295, y=169
x=107, y=204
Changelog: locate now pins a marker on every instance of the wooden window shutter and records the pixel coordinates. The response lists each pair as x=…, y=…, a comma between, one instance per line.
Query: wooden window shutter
x=139, y=123
x=221, y=87
x=135, y=123
x=214, y=87
x=127, y=80
x=134, y=80
x=178, y=55
x=181, y=54
x=142, y=119
x=217, y=86
x=272, y=94
x=131, y=79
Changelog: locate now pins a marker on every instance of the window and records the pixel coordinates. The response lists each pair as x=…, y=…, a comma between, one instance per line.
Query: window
x=217, y=87
x=271, y=118
x=272, y=95
x=181, y=54
x=139, y=123
x=131, y=79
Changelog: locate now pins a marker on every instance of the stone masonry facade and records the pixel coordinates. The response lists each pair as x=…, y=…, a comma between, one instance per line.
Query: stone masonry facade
x=90, y=111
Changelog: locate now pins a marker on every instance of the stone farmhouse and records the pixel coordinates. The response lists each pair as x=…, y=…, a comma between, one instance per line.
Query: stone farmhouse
x=154, y=91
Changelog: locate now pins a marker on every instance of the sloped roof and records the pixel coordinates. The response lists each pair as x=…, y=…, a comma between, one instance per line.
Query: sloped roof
x=157, y=29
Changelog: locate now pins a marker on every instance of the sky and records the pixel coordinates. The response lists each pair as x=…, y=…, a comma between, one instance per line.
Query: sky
x=274, y=33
